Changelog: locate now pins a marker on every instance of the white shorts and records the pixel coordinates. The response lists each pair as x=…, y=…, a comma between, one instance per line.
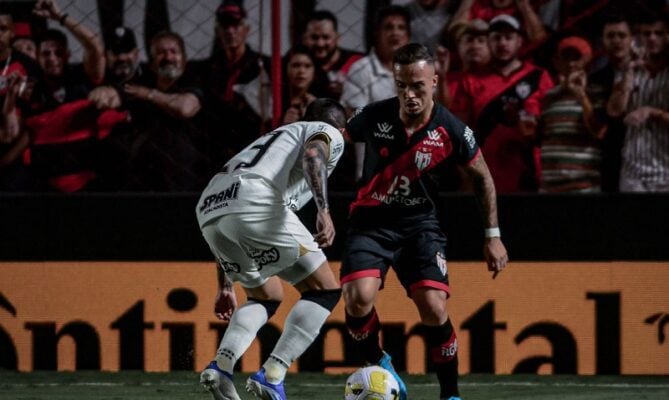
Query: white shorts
x=252, y=247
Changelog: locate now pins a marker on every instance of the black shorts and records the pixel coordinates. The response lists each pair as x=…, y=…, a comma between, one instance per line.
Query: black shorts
x=417, y=253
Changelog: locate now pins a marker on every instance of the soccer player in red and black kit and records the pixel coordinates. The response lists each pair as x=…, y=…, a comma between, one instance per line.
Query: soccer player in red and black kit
x=393, y=218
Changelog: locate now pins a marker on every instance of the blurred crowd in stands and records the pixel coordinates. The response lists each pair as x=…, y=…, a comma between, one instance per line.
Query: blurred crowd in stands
x=563, y=96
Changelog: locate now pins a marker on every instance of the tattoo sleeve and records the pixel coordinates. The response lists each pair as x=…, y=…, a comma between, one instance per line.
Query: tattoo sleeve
x=484, y=190
x=223, y=281
x=314, y=164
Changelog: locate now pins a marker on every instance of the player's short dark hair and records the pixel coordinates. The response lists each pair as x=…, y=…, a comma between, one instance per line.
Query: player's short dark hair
x=326, y=110
x=391, y=11
x=323, y=15
x=52, y=35
x=168, y=35
x=412, y=53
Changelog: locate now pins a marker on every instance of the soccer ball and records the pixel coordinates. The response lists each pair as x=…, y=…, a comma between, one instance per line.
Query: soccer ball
x=371, y=383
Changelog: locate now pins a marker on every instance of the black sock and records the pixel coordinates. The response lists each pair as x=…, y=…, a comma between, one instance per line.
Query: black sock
x=365, y=331
x=443, y=347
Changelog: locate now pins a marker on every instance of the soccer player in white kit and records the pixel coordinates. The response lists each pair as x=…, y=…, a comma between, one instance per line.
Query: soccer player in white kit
x=247, y=216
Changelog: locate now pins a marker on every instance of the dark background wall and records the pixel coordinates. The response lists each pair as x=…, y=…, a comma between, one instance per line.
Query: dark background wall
x=159, y=227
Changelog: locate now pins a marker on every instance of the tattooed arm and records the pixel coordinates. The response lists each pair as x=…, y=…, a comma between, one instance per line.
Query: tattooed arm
x=314, y=164
x=494, y=251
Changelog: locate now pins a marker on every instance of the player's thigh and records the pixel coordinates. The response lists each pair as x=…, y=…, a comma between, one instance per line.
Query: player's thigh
x=422, y=262
x=321, y=279
x=367, y=254
x=431, y=305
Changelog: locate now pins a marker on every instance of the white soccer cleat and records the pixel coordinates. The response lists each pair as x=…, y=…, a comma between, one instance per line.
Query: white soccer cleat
x=218, y=383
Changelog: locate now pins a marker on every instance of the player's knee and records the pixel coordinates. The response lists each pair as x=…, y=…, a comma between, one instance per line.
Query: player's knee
x=359, y=297
x=270, y=305
x=431, y=306
x=327, y=299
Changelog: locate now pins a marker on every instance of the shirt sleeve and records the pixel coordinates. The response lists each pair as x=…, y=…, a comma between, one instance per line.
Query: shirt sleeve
x=465, y=148
x=355, y=91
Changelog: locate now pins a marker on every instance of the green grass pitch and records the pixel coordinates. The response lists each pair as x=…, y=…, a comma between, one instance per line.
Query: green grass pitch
x=309, y=386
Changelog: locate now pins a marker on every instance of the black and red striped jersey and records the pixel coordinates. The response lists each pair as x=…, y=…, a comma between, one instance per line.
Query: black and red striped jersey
x=396, y=166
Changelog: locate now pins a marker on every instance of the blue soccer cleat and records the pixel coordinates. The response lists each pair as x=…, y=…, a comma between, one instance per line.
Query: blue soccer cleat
x=218, y=383
x=454, y=398
x=258, y=386
x=386, y=362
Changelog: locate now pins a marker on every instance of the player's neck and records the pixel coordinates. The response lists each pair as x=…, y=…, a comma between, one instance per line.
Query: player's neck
x=412, y=123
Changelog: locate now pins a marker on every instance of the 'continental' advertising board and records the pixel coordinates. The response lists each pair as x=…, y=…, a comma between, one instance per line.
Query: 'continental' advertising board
x=584, y=318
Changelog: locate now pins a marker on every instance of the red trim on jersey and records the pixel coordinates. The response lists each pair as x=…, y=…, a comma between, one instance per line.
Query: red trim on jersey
x=476, y=156
x=367, y=273
x=347, y=65
x=427, y=283
x=73, y=182
x=405, y=166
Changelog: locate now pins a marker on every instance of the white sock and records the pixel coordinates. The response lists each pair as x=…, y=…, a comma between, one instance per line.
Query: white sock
x=302, y=325
x=242, y=329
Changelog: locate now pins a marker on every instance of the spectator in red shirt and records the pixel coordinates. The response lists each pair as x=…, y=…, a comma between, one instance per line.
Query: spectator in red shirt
x=502, y=106
x=489, y=9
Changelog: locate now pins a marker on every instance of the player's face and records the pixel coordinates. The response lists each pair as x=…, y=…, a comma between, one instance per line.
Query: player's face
x=168, y=59
x=52, y=57
x=322, y=39
x=300, y=71
x=393, y=34
x=653, y=37
x=617, y=39
x=415, y=85
x=504, y=45
x=474, y=50
x=6, y=32
x=123, y=65
x=233, y=35
x=26, y=46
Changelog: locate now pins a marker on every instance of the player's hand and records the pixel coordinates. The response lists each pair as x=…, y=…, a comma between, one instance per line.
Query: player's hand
x=225, y=304
x=495, y=255
x=105, y=97
x=638, y=117
x=325, y=227
x=47, y=9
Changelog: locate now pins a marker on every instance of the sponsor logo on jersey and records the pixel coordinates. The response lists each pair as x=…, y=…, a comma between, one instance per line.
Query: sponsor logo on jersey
x=469, y=137
x=220, y=199
x=228, y=266
x=264, y=257
x=523, y=90
x=422, y=159
x=433, y=139
x=441, y=263
x=384, y=129
x=292, y=204
x=396, y=198
x=338, y=148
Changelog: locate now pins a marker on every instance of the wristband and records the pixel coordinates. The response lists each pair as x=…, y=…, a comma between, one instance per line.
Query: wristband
x=492, y=232
x=61, y=20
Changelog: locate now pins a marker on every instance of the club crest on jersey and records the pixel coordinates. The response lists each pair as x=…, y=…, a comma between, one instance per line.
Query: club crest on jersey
x=441, y=263
x=384, y=129
x=469, y=137
x=523, y=90
x=422, y=160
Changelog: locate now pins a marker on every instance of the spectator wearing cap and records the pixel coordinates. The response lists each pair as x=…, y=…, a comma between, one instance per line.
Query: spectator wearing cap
x=332, y=61
x=617, y=43
x=569, y=132
x=236, y=81
x=371, y=79
x=166, y=152
x=470, y=42
x=502, y=105
x=489, y=9
x=641, y=99
x=122, y=57
x=16, y=71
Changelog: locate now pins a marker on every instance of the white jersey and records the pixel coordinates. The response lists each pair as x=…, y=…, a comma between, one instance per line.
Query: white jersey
x=267, y=173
